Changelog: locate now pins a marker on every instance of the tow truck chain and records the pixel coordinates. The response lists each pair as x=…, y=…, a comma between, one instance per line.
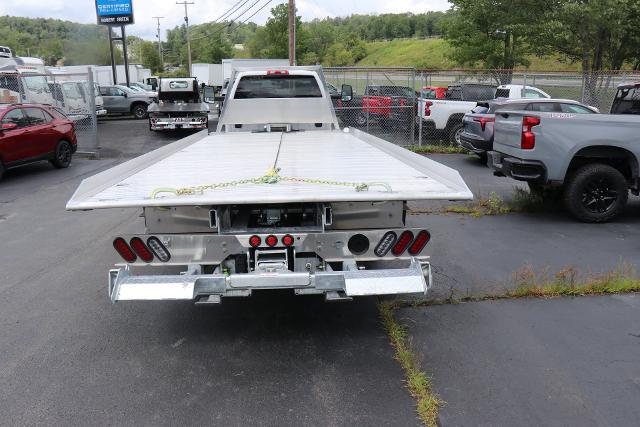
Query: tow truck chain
x=271, y=177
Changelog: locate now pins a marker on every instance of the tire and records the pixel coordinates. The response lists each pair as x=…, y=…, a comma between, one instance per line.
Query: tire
x=596, y=193
x=545, y=192
x=361, y=119
x=62, y=155
x=2, y=169
x=454, y=134
x=483, y=157
x=139, y=111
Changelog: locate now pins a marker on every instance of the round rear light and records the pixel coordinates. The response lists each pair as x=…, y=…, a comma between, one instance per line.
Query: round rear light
x=254, y=241
x=287, y=240
x=358, y=244
x=271, y=240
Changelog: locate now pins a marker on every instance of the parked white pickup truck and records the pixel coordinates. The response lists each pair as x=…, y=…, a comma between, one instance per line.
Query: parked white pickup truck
x=278, y=198
x=444, y=115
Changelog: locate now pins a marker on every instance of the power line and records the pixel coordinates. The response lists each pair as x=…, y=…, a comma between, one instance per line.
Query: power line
x=228, y=25
x=254, y=13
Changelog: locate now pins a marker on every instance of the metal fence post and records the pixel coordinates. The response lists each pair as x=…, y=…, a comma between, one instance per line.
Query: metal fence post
x=413, y=108
x=94, y=118
x=364, y=93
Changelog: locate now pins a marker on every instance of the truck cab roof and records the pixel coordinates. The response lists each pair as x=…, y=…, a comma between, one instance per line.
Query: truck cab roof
x=292, y=98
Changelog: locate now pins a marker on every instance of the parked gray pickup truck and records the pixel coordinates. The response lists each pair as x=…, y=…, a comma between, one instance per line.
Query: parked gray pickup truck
x=591, y=160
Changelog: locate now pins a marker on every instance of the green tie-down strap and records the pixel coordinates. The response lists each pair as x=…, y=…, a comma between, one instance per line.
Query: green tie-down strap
x=271, y=177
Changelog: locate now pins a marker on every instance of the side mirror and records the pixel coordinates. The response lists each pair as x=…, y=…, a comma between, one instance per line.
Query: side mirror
x=126, y=95
x=9, y=126
x=346, y=93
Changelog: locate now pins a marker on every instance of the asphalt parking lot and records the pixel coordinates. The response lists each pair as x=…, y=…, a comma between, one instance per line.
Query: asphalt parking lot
x=71, y=357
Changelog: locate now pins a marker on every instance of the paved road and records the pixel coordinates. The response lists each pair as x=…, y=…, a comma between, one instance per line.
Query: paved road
x=69, y=356
x=533, y=362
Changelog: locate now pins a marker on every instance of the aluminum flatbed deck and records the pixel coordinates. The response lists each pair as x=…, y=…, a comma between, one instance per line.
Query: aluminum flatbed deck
x=312, y=164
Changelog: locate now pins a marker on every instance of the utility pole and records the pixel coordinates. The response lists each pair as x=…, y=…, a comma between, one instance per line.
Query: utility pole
x=158, y=18
x=186, y=21
x=292, y=32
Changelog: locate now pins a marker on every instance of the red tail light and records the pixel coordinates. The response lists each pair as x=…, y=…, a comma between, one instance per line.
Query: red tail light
x=287, y=240
x=403, y=242
x=483, y=121
x=271, y=240
x=427, y=108
x=420, y=242
x=141, y=249
x=403, y=102
x=255, y=241
x=528, y=141
x=339, y=103
x=121, y=246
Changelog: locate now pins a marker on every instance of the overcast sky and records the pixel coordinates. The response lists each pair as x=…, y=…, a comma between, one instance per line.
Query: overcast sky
x=207, y=10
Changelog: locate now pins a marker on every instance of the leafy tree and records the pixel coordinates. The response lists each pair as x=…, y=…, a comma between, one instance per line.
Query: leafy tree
x=274, y=37
x=599, y=34
x=150, y=57
x=338, y=56
x=492, y=33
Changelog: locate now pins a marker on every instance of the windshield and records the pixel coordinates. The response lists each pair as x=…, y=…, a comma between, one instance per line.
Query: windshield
x=71, y=91
x=36, y=83
x=627, y=101
x=126, y=89
x=278, y=86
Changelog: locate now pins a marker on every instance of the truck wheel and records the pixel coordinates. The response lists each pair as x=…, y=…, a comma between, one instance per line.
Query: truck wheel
x=1, y=170
x=596, y=193
x=139, y=111
x=454, y=135
x=361, y=119
x=62, y=155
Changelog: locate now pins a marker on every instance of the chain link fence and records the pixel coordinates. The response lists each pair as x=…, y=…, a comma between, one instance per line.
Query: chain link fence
x=384, y=101
x=393, y=103
x=75, y=94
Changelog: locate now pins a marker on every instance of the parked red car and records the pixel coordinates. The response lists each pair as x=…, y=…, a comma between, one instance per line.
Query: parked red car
x=34, y=132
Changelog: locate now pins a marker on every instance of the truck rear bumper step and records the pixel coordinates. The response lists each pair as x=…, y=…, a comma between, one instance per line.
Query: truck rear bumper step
x=209, y=288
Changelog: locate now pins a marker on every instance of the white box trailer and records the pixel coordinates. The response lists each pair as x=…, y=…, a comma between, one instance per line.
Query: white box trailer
x=228, y=65
x=278, y=198
x=209, y=74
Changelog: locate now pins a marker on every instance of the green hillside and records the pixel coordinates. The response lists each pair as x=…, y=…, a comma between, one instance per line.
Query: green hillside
x=432, y=53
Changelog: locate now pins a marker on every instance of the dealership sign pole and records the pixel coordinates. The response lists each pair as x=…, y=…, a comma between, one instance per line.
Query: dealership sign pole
x=116, y=13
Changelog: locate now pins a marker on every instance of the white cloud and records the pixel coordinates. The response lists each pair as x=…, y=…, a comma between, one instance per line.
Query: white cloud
x=207, y=10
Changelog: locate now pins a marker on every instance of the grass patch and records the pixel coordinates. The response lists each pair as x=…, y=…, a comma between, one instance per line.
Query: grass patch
x=569, y=282
x=492, y=205
x=542, y=284
x=437, y=149
x=417, y=381
x=522, y=201
x=434, y=53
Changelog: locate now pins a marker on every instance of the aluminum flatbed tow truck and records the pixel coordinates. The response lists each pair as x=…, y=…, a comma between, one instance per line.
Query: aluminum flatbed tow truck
x=278, y=198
